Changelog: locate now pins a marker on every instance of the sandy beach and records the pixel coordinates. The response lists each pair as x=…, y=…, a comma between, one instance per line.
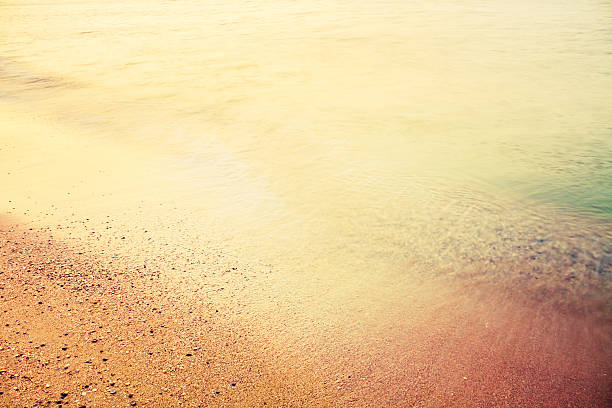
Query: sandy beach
x=80, y=329
x=111, y=300
x=305, y=204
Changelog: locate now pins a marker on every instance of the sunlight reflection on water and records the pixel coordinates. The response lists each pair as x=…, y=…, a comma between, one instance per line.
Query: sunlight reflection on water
x=362, y=134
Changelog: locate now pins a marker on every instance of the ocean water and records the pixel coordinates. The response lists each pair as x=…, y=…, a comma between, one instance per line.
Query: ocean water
x=346, y=138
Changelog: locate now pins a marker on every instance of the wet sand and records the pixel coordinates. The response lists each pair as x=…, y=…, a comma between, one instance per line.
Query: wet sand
x=81, y=329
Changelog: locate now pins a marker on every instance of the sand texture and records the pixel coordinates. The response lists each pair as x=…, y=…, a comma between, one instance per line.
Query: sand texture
x=80, y=329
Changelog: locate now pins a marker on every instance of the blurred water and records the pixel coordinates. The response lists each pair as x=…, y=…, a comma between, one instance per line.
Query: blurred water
x=355, y=134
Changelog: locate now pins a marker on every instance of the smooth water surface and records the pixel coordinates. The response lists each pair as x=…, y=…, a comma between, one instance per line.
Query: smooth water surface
x=345, y=135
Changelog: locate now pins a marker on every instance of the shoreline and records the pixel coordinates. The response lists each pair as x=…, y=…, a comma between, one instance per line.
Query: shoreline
x=210, y=349
x=305, y=204
x=436, y=330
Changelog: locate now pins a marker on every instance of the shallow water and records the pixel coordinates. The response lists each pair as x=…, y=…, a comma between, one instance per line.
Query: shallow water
x=358, y=138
